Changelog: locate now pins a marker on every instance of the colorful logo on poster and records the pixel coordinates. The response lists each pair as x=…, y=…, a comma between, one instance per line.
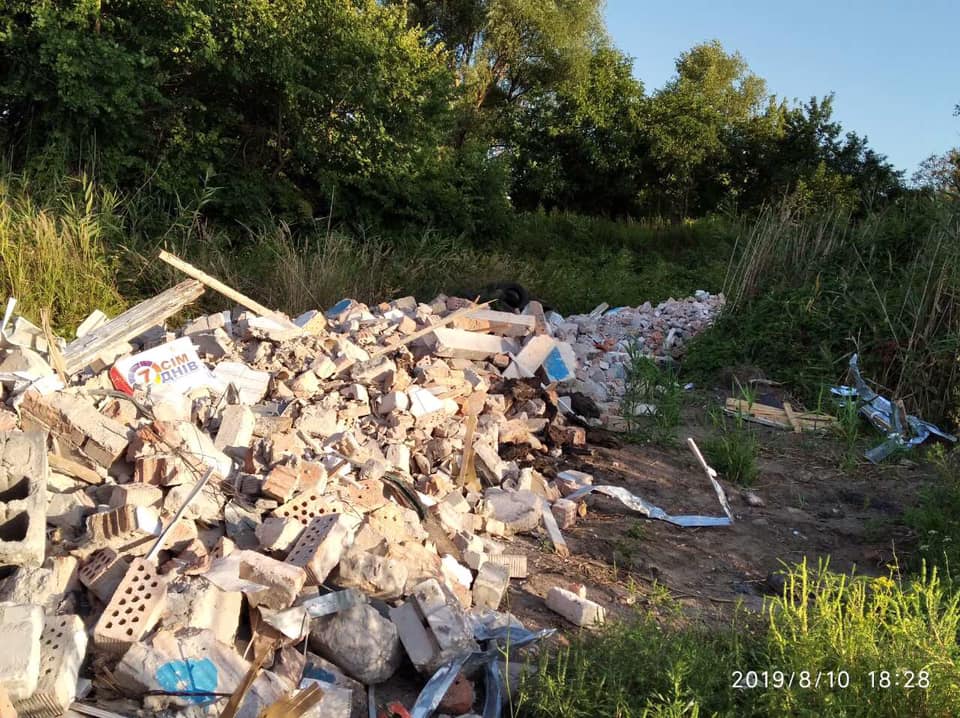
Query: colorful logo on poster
x=150, y=372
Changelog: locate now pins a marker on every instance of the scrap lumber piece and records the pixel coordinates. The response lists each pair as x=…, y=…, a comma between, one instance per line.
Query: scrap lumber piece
x=114, y=334
x=218, y=286
x=787, y=418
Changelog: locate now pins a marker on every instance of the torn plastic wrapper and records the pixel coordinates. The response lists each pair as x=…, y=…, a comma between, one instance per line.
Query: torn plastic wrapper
x=903, y=430
x=635, y=503
x=496, y=640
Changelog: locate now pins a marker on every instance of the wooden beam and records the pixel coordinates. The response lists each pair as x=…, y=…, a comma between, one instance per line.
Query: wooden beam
x=218, y=286
x=133, y=322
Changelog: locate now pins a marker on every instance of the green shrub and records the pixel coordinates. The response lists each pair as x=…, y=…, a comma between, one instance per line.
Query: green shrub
x=652, y=399
x=733, y=451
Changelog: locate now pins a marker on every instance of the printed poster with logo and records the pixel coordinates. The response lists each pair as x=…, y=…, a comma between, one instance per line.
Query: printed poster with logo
x=174, y=365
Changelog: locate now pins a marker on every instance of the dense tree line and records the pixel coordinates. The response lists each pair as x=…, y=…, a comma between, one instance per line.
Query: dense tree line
x=445, y=113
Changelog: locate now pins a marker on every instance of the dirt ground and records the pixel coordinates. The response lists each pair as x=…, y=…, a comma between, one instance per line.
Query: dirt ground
x=811, y=509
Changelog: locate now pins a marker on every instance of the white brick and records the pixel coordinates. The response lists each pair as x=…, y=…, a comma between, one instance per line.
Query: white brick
x=577, y=610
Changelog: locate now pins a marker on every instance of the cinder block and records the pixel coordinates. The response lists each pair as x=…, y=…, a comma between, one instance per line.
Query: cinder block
x=579, y=611
x=490, y=585
x=103, y=572
x=21, y=626
x=63, y=646
x=321, y=545
x=134, y=609
x=23, y=498
x=284, y=581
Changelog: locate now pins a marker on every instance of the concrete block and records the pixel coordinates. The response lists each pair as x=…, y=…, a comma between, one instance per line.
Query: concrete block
x=236, y=430
x=418, y=642
x=21, y=626
x=393, y=401
x=360, y=641
x=377, y=371
x=489, y=464
x=63, y=646
x=23, y=498
x=321, y=545
x=490, y=585
x=318, y=421
x=576, y=609
x=423, y=402
x=133, y=610
x=284, y=581
x=462, y=344
x=278, y=535
x=102, y=573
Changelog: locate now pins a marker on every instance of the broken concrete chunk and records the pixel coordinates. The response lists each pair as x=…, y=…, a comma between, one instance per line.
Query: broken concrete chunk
x=283, y=580
x=21, y=626
x=236, y=430
x=519, y=510
x=376, y=576
x=360, y=641
x=278, y=534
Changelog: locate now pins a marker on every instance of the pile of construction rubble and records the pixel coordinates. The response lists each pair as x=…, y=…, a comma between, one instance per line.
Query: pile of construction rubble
x=601, y=340
x=257, y=516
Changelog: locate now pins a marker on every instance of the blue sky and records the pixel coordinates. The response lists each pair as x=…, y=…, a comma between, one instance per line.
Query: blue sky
x=894, y=66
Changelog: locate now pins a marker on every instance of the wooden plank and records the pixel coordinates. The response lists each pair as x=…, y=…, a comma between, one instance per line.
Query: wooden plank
x=778, y=418
x=792, y=418
x=133, y=322
x=218, y=286
x=53, y=349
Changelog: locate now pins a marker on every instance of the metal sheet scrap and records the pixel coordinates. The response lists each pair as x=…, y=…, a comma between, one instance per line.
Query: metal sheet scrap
x=496, y=642
x=903, y=431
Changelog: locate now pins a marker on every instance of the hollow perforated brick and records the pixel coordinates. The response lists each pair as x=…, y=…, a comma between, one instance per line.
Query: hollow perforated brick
x=321, y=545
x=63, y=645
x=307, y=506
x=103, y=572
x=134, y=609
x=23, y=498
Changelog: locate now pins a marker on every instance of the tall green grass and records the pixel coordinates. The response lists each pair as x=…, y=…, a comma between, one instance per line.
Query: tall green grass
x=805, y=292
x=811, y=654
x=57, y=250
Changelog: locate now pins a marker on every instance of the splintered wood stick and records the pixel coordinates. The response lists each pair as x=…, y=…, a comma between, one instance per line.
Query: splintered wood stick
x=229, y=292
